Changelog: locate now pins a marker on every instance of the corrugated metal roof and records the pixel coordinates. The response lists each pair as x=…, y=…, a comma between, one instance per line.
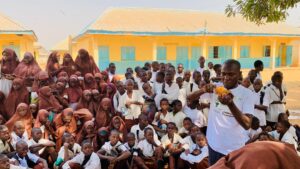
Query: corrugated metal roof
x=8, y=26
x=145, y=21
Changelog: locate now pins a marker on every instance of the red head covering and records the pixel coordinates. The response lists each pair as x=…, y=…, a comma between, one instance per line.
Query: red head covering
x=9, y=64
x=69, y=64
x=52, y=63
x=83, y=135
x=41, y=76
x=19, y=115
x=74, y=92
x=42, y=114
x=91, y=84
x=262, y=155
x=83, y=115
x=85, y=63
x=122, y=129
x=47, y=100
x=62, y=127
x=103, y=117
x=16, y=97
x=83, y=103
x=27, y=70
x=105, y=76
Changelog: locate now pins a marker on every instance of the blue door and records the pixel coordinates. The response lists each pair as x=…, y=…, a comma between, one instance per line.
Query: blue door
x=103, y=57
x=196, y=53
x=182, y=56
x=289, y=54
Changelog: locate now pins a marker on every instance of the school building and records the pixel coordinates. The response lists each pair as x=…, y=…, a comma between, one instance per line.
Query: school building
x=15, y=36
x=131, y=36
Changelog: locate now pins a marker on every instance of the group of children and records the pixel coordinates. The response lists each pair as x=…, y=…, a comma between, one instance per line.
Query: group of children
x=72, y=115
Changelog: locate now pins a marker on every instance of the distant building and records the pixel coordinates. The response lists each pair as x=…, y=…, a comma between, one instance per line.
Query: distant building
x=63, y=46
x=132, y=36
x=15, y=36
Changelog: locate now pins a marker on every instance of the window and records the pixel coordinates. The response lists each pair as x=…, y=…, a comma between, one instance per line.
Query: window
x=161, y=53
x=216, y=52
x=244, y=51
x=267, y=51
x=128, y=53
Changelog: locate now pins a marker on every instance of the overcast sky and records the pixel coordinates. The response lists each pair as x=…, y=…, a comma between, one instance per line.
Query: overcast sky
x=54, y=20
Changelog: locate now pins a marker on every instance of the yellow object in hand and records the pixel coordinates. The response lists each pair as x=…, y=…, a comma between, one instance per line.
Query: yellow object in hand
x=221, y=91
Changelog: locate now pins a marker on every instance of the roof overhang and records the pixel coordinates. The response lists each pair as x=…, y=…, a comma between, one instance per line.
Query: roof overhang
x=24, y=32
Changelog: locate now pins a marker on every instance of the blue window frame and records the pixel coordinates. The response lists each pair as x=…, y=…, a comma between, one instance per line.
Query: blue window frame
x=244, y=51
x=161, y=53
x=128, y=53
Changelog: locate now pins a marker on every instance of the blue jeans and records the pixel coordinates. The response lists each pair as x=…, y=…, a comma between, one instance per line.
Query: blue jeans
x=213, y=156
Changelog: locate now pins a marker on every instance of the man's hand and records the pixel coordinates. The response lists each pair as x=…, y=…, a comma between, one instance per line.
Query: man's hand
x=208, y=88
x=226, y=99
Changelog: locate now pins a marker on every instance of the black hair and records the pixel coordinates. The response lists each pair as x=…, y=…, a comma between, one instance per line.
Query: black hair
x=147, y=129
x=254, y=123
x=187, y=119
x=84, y=142
x=174, y=102
x=163, y=99
x=3, y=127
x=217, y=66
x=233, y=62
x=285, y=123
x=35, y=129
x=277, y=75
x=111, y=64
x=258, y=63
x=162, y=74
x=66, y=135
x=130, y=134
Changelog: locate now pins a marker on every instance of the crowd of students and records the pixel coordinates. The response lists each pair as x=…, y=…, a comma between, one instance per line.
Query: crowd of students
x=72, y=115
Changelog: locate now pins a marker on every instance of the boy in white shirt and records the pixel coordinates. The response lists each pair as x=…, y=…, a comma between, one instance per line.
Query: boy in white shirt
x=113, y=154
x=196, y=115
x=176, y=116
x=187, y=124
x=161, y=118
x=150, y=150
x=68, y=151
x=182, y=90
x=86, y=159
x=261, y=102
x=18, y=134
x=42, y=147
x=172, y=144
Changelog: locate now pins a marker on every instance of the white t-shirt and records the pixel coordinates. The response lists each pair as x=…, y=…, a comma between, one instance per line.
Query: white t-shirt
x=133, y=111
x=31, y=142
x=199, y=69
x=139, y=133
x=224, y=133
x=147, y=148
x=165, y=141
x=92, y=163
x=192, y=158
x=172, y=94
x=196, y=116
x=75, y=150
x=176, y=118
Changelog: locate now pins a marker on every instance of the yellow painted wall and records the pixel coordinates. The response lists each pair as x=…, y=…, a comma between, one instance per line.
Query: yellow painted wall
x=145, y=46
x=24, y=42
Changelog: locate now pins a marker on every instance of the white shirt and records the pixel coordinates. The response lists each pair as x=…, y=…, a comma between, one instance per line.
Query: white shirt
x=260, y=114
x=205, y=98
x=147, y=148
x=187, y=142
x=153, y=77
x=272, y=93
x=157, y=87
x=176, y=118
x=116, y=100
x=111, y=150
x=31, y=142
x=165, y=140
x=110, y=76
x=192, y=158
x=224, y=133
x=196, y=116
x=182, y=96
x=4, y=146
x=139, y=133
x=93, y=163
x=15, y=138
x=192, y=87
x=199, y=69
x=252, y=133
x=75, y=150
x=179, y=74
x=212, y=73
x=23, y=162
x=133, y=111
x=172, y=94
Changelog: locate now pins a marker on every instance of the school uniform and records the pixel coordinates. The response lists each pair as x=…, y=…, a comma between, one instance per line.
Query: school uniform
x=116, y=100
x=196, y=116
x=187, y=142
x=153, y=77
x=182, y=130
x=191, y=88
x=179, y=75
x=272, y=93
x=192, y=159
x=170, y=92
x=29, y=161
x=182, y=96
x=175, y=141
x=131, y=148
x=31, y=142
x=212, y=73
x=5, y=147
x=200, y=69
x=260, y=99
x=252, y=133
x=157, y=87
x=87, y=162
x=76, y=149
x=113, y=150
x=147, y=148
x=133, y=111
x=176, y=118
x=139, y=133
x=15, y=138
x=110, y=76
x=205, y=98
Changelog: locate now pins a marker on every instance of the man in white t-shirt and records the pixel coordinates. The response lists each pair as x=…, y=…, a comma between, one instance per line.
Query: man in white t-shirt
x=201, y=67
x=227, y=121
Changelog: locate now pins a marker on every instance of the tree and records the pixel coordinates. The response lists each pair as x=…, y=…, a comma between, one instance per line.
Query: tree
x=261, y=11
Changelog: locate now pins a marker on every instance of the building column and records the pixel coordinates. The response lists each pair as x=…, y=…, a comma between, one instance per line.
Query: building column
x=273, y=54
x=235, y=49
x=154, y=53
x=204, y=49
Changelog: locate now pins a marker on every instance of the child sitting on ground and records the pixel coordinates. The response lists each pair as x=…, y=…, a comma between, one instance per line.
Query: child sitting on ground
x=68, y=150
x=150, y=152
x=186, y=128
x=86, y=159
x=197, y=158
x=113, y=154
x=18, y=134
x=42, y=147
x=161, y=118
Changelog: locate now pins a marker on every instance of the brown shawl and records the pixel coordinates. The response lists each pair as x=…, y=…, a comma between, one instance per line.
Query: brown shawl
x=9, y=64
x=15, y=97
x=85, y=63
x=27, y=71
x=83, y=103
x=27, y=118
x=74, y=90
x=261, y=155
x=89, y=82
x=103, y=116
x=68, y=64
x=52, y=66
x=47, y=100
x=2, y=107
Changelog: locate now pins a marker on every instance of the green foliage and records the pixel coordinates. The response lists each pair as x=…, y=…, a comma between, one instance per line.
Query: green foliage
x=261, y=11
